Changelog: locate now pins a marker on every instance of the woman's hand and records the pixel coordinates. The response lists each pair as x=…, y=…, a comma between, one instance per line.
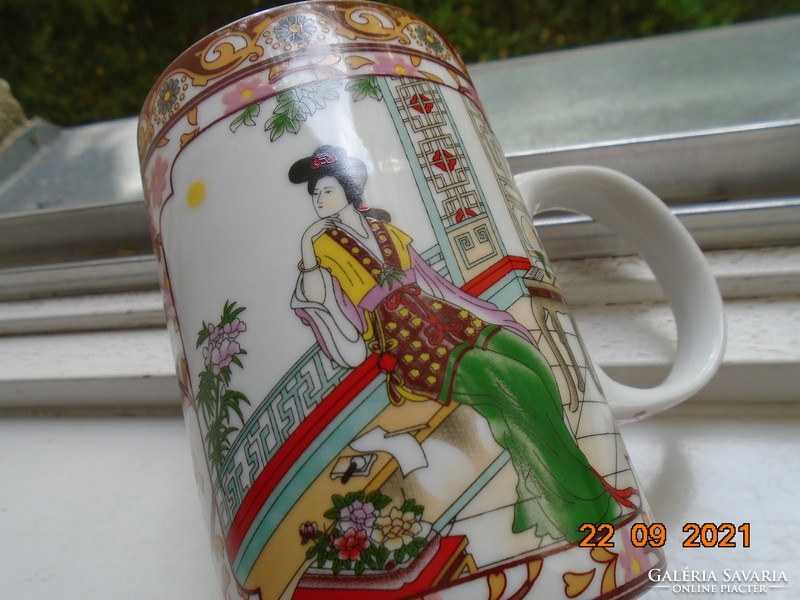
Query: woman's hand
x=316, y=229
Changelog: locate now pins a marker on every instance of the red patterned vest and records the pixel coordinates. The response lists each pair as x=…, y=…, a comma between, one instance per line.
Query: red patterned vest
x=413, y=332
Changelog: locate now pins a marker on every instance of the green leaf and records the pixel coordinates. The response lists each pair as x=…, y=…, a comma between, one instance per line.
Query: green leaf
x=307, y=106
x=234, y=397
x=230, y=402
x=278, y=124
x=378, y=500
x=368, y=556
x=381, y=556
x=253, y=111
x=332, y=514
x=246, y=117
x=285, y=107
x=359, y=568
x=321, y=92
x=229, y=314
x=338, y=501
x=294, y=126
x=363, y=87
x=337, y=566
x=311, y=552
x=419, y=542
x=400, y=555
x=202, y=335
x=359, y=94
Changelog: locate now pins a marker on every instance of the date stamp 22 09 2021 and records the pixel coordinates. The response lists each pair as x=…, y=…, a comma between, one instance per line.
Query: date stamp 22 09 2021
x=707, y=535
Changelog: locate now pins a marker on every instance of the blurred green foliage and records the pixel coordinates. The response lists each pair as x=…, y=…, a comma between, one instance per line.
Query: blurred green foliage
x=78, y=61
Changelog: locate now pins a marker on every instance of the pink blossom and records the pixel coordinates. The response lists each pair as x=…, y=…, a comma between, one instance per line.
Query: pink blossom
x=207, y=354
x=219, y=352
x=634, y=560
x=394, y=65
x=358, y=516
x=221, y=355
x=234, y=328
x=214, y=333
x=158, y=181
x=246, y=92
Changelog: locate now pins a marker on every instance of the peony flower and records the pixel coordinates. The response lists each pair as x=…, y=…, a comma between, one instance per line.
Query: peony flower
x=396, y=530
x=351, y=544
x=308, y=530
x=358, y=516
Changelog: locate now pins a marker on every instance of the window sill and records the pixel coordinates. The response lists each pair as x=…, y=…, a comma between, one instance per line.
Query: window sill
x=127, y=516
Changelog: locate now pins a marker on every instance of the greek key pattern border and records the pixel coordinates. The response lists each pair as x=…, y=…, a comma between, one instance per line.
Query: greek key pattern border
x=301, y=390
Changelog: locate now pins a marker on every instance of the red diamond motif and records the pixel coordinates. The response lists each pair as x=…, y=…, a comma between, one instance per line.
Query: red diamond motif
x=464, y=213
x=421, y=103
x=444, y=160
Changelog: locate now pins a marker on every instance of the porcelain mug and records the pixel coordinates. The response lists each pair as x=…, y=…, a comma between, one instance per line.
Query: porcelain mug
x=384, y=388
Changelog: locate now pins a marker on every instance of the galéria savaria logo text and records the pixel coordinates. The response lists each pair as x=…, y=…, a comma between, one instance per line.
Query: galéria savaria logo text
x=729, y=581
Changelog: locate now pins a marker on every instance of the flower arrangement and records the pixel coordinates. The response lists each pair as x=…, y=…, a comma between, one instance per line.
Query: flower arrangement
x=367, y=533
x=215, y=399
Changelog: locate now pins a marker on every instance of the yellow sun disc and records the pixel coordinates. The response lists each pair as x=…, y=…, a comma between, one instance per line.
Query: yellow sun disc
x=196, y=193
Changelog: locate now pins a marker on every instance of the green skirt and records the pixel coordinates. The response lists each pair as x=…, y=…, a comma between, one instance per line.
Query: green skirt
x=508, y=382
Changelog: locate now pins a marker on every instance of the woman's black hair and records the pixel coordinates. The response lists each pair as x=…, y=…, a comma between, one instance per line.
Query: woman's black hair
x=330, y=161
x=350, y=172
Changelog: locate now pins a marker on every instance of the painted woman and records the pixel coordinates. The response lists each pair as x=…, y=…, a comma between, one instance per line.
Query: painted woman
x=363, y=289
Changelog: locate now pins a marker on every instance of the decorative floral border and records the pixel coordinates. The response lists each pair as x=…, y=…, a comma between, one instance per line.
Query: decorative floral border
x=281, y=48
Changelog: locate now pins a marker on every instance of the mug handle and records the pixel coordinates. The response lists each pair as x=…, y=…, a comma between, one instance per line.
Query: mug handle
x=638, y=216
